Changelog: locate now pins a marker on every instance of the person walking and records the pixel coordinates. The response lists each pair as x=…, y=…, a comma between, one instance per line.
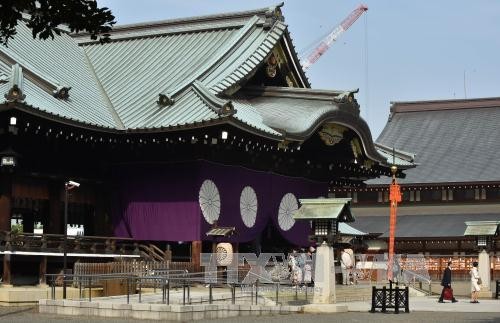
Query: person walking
x=308, y=268
x=346, y=266
x=446, y=283
x=474, y=280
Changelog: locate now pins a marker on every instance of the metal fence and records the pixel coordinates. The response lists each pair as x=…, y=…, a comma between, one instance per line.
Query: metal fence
x=167, y=280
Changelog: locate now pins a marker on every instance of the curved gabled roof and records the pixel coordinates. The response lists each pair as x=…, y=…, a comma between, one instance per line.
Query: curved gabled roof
x=298, y=113
x=455, y=141
x=134, y=71
x=179, y=73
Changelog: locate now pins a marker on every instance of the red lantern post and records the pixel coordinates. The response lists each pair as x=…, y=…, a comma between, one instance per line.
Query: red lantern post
x=394, y=198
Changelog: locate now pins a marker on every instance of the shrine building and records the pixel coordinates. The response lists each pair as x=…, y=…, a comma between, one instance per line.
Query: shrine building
x=172, y=129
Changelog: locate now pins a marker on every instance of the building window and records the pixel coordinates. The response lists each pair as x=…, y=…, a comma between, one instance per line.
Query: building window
x=412, y=196
x=450, y=195
x=443, y=195
x=380, y=197
x=431, y=196
x=476, y=194
x=483, y=194
x=464, y=194
x=355, y=197
x=367, y=197
x=417, y=196
x=331, y=195
x=386, y=196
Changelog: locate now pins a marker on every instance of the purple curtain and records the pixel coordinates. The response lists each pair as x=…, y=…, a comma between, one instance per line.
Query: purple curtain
x=161, y=202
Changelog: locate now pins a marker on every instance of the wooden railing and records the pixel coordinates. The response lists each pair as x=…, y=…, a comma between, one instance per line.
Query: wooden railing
x=152, y=252
x=137, y=268
x=10, y=241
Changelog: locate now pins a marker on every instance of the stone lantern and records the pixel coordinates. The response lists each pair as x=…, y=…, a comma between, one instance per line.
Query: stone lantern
x=324, y=216
x=484, y=232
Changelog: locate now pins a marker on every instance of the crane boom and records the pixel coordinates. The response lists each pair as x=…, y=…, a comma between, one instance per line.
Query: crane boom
x=332, y=36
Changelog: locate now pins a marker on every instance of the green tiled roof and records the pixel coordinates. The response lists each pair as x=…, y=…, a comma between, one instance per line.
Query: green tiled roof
x=324, y=208
x=57, y=61
x=199, y=65
x=481, y=228
x=346, y=229
x=398, y=158
x=192, y=61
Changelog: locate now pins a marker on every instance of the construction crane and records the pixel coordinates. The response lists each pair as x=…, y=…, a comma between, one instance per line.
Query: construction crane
x=332, y=36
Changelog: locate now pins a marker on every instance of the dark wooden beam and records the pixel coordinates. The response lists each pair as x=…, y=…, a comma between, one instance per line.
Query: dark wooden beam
x=5, y=201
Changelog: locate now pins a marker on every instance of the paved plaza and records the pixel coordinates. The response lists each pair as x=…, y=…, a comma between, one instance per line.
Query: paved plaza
x=30, y=315
x=422, y=309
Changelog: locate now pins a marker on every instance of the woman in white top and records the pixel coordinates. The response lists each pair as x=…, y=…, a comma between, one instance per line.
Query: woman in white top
x=474, y=277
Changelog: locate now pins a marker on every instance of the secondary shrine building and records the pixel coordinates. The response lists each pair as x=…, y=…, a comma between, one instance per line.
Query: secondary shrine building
x=457, y=181
x=173, y=128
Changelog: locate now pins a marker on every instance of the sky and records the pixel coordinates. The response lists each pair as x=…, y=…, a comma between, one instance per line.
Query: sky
x=397, y=51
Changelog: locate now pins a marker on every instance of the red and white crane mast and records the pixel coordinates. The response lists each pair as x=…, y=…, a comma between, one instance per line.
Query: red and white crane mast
x=332, y=36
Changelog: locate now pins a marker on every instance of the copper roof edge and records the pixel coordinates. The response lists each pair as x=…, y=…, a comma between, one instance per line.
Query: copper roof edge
x=439, y=105
x=294, y=92
x=204, y=22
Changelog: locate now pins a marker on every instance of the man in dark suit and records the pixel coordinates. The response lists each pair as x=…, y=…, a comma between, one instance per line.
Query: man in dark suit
x=446, y=283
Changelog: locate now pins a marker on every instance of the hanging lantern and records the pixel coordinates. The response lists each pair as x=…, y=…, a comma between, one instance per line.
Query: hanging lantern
x=224, y=254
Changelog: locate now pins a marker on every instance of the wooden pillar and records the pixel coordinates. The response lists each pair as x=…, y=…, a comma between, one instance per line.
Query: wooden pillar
x=196, y=253
x=43, y=270
x=55, y=215
x=101, y=225
x=6, y=276
x=168, y=254
x=5, y=201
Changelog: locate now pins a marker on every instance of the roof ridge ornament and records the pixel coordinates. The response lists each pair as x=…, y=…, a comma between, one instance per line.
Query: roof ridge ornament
x=4, y=78
x=16, y=85
x=220, y=106
x=40, y=79
x=273, y=14
x=165, y=100
x=61, y=92
x=347, y=98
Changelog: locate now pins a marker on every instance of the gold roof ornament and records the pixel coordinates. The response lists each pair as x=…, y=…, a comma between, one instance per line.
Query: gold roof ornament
x=332, y=134
x=356, y=148
x=283, y=144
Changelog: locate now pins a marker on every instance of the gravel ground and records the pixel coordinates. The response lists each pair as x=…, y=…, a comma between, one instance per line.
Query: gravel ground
x=31, y=315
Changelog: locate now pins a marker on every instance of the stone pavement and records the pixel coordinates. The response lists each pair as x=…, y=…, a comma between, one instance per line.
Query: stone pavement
x=430, y=304
x=30, y=315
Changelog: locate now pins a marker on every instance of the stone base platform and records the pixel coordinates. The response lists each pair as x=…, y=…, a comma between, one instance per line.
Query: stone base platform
x=160, y=311
x=30, y=295
x=485, y=294
x=325, y=308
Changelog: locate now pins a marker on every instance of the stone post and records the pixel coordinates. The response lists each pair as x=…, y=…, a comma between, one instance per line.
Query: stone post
x=324, y=273
x=484, y=272
x=324, y=298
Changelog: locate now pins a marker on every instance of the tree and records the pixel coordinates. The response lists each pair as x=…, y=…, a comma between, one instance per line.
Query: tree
x=44, y=16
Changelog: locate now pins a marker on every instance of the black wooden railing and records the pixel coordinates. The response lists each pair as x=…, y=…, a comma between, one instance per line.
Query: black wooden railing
x=396, y=298
x=497, y=289
x=15, y=241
